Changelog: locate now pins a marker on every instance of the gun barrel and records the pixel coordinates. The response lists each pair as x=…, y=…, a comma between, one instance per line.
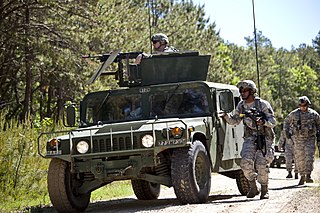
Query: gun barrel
x=121, y=56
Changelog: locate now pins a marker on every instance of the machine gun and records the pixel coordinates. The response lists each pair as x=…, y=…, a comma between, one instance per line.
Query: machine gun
x=257, y=115
x=120, y=56
x=107, y=59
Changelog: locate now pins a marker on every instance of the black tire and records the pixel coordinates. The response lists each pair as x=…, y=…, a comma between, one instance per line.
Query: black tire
x=145, y=190
x=191, y=173
x=62, y=187
x=242, y=183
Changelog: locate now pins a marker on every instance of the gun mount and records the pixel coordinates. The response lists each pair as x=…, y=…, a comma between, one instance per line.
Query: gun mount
x=156, y=69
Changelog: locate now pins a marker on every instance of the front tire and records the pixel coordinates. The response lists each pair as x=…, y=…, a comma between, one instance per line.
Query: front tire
x=145, y=190
x=191, y=173
x=62, y=187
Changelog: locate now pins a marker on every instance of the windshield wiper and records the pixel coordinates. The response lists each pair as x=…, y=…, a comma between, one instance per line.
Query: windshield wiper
x=172, y=94
x=103, y=102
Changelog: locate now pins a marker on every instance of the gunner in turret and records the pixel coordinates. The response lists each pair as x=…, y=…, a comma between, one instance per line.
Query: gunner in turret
x=160, y=44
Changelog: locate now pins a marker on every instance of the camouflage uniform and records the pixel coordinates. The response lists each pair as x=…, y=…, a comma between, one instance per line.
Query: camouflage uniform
x=253, y=163
x=289, y=152
x=305, y=127
x=167, y=49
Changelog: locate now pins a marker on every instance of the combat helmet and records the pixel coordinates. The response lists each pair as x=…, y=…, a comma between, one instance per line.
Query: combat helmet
x=304, y=100
x=247, y=84
x=160, y=37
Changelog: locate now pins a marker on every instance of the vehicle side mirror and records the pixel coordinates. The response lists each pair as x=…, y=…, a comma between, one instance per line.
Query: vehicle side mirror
x=71, y=116
x=226, y=101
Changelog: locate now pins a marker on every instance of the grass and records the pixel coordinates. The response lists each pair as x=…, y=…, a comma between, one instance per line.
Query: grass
x=27, y=203
x=112, y=190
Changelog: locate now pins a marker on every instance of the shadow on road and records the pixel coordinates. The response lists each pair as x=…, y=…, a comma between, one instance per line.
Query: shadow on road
x=289, y=187
x=224, y=199
x=133, y=205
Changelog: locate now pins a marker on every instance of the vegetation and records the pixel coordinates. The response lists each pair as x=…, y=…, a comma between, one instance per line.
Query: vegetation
x=41, y=68
x=23, y=172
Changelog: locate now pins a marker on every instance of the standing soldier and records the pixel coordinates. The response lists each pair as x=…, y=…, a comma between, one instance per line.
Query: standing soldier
x=305, y=124
x=287, y=145
x=257, y=151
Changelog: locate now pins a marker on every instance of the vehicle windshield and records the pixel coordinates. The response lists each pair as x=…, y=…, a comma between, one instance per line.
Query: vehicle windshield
x=132, y=104
x=179, y=102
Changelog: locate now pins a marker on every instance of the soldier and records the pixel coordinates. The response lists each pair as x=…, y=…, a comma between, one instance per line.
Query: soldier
x=160, y=44
x=287, y=145
x=305, y=124
x=258, y=122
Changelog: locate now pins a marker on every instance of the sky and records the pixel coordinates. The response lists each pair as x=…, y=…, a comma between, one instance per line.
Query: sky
x=286, y=23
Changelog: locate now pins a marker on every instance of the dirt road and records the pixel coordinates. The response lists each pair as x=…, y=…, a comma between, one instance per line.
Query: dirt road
x=285, y=196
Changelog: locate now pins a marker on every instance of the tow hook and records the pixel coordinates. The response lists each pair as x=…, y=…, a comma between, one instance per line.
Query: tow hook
x=122, y=171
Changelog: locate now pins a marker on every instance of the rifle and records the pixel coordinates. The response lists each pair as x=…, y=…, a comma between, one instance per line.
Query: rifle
x=256, y=115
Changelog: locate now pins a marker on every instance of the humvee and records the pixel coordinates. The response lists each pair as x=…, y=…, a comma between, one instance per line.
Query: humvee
x=161, y=127
x=279, y=158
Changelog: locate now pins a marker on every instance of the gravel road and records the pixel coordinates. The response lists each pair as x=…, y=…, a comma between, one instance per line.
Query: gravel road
x=285, y=196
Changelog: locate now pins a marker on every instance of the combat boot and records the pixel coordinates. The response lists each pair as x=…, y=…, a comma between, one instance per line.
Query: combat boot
x=309, y=179
x=302, y=180
x=296, y=175
x=253, y=191
x=289, y=174
x=264, y=192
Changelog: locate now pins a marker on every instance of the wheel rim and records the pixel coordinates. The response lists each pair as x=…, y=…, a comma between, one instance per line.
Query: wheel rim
x=200, y=171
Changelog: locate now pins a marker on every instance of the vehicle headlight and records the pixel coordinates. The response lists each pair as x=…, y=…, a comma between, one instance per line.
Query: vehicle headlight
x=82, y=147
x=147, y=141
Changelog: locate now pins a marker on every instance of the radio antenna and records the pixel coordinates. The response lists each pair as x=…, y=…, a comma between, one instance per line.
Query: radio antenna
x=150, y=26
x=256, y=46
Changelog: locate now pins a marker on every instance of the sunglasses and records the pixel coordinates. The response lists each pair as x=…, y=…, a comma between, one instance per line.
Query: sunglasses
x=154, y=42
x=303, y=105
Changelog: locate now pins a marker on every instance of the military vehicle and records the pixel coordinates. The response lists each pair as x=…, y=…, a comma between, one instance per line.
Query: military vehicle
x=161, y=127
x=279, y=158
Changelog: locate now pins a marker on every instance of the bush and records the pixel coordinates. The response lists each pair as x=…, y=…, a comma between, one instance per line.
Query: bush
x=23, y=172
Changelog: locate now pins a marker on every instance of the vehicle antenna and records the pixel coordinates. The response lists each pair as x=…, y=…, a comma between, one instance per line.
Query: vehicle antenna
x=256, y=46
x=150, y=27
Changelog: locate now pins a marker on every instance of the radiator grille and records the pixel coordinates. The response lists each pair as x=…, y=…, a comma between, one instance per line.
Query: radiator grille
x=118, y=144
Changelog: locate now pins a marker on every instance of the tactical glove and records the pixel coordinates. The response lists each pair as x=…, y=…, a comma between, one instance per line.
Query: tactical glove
x=261, y=121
